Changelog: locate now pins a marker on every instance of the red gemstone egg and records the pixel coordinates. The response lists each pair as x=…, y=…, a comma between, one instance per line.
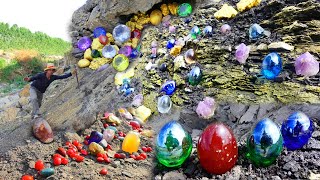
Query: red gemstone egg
x=217, y=149
x=103, y=39
x=104, y=171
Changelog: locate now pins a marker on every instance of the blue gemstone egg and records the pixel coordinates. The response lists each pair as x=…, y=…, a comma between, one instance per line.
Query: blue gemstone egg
x=173, y=145
x=264, y=143
x=296, y=131
x=47, y=172
x=95, y=136
x=255, y=31
x=98, y=31
x=134, y=54
x=169, y=87
x=271, y=66
x=171, y=43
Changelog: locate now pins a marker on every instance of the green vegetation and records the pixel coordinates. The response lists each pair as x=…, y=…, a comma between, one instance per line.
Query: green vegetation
x=12, y=73
x=14, y=37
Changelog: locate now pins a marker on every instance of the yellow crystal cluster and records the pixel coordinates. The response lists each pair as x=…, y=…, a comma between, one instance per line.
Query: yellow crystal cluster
x=247, y=4
x=138, y=21
x=226, y=11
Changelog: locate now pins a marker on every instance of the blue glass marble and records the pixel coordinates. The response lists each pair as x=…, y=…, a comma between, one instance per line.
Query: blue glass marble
x=173, y=145
x=171, y=43
x=255, y=31
x=271, y=66
x=195, y=32
x=187, y=20
x=264, y=144
x=95, y=136
x=125, y=88
x=169, y=87
x=296, y=131
x=207, y=31
x=134, y=54
x=98, y=31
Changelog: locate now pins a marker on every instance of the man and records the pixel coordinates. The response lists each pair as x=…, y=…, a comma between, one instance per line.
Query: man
x=40, y=83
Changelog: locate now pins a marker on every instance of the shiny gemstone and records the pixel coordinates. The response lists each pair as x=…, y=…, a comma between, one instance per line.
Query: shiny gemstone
x=187, y=20
x=255, y=31
x=125, y=50
x=131, y=142
x=217, y=149
x=108, y=134
x=296, y=130
x=98, y=31
x=164, y=104
x=121, y=33
x=225, y=29
x=134, y=54
x=103, y=39
x=95, y=136
x=171, y=43
x=136, y=34
x=271, y=66
x=184, y=10
x=172, y=29
x=195, y=76
x=95, y=53
x=173, y=144
x=195, y=32
x=242, y=53
x=163, y=67
x=169, y=87
x=154, y=44
x=264, y=143
x=189, y=56
x=109, y=51
x=207, y=31
x=84, y=43
x=206, y=108
x=306, y=65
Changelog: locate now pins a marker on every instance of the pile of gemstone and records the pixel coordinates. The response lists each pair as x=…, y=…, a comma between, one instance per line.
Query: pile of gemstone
x=217, y=147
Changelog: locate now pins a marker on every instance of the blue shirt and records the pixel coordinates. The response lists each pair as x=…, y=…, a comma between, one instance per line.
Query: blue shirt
x=41, y=82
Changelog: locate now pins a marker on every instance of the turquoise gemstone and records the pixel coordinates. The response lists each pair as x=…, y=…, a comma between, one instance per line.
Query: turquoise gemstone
x=195, y=76
x=47, y=172
x=271, y=66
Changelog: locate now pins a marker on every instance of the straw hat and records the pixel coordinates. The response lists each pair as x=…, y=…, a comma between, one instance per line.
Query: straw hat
x=50, y=66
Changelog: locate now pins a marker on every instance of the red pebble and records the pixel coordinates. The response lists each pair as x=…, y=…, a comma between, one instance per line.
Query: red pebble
x=117, y=155
x=39, y=165
x=107, y=160
x=62, y=151
x=104, y=171
x=105, y=156
x=64, y=161
x=109, y=147
x=144, y=155
x=87, y=137
x=27, y=177
x=56, y=155
x=122, y=155
x=76, y=143
x=57, y=161
x=139, y=158
x=132, y=156
x=217, y=149
x=71, y=153
x=149, y=149
x=68, y=143
x=84, y=152
x=105, y=125
x=79, y=158
x=145, y=149
x=99, y=155
x=134, y=124
x=85, y=142
x=100, y=159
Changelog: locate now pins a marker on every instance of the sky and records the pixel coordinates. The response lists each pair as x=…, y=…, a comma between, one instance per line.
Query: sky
x=49, y=16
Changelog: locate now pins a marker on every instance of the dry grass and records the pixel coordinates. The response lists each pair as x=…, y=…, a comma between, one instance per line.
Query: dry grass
x=25, y=55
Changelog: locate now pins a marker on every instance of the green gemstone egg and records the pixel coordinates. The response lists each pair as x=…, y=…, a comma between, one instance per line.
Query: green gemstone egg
x=120, y=62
